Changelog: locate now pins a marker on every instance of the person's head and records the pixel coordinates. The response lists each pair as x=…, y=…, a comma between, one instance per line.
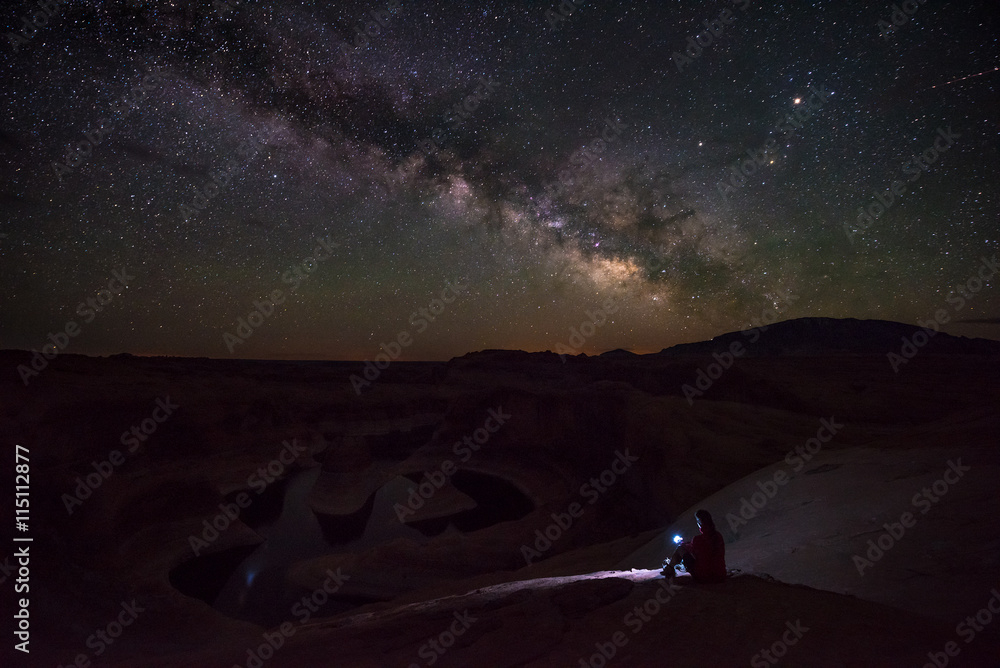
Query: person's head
x=705, y=521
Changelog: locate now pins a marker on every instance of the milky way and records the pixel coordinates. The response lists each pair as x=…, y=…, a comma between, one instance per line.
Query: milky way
x=694, y=164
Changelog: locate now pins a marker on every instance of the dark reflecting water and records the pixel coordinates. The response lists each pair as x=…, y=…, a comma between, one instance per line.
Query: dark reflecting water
x=258, y=590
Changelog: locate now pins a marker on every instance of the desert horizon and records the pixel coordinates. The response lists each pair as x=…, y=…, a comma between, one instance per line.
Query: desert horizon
x=983, y=333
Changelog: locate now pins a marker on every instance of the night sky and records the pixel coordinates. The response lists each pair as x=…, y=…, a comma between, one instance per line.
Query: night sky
x=551, y=165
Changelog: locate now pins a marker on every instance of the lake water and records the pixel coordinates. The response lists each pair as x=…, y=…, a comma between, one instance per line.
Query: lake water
x=258, y=590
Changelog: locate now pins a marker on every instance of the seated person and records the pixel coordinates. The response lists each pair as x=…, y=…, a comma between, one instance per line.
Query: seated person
x=705, y=556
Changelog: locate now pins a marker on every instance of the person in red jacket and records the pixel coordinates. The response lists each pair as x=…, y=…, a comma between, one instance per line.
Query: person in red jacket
x=705, y=556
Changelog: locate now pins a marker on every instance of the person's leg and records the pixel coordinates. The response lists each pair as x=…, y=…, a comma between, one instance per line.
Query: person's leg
x=678, y=556
x=682, y=555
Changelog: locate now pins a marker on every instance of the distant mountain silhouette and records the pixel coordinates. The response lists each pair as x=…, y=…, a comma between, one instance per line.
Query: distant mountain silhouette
x=801, y=336
x=816, y=336
x=620, y=353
